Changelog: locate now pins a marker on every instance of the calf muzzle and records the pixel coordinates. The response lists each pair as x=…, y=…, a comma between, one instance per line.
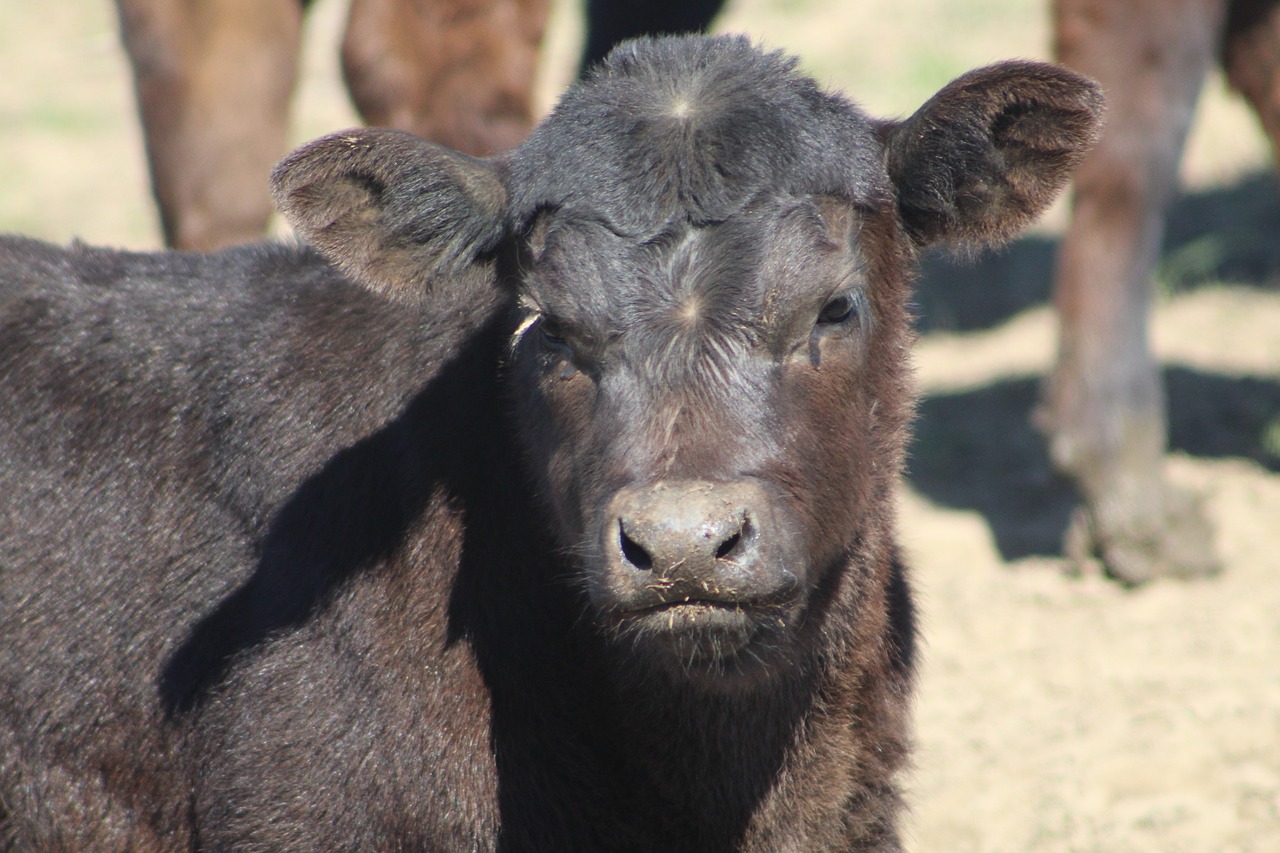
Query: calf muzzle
x=699, y=565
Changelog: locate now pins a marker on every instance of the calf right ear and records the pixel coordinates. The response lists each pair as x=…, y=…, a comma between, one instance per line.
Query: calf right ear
x=392, y=210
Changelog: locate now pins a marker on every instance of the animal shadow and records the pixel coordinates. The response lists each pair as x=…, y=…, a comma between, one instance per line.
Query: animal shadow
x=978, y=449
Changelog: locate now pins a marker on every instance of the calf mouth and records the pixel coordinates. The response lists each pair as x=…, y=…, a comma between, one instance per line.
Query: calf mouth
x=705, y=639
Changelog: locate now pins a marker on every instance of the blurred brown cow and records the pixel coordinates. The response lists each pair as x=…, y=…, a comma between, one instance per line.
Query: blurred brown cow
x=214, y=79
x=1104, y=408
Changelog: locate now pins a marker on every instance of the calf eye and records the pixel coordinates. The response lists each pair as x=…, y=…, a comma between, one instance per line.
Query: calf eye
x=839, y=309
x=552, y=333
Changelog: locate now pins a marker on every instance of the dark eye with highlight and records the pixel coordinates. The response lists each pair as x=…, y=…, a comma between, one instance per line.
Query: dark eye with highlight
x=840, y=309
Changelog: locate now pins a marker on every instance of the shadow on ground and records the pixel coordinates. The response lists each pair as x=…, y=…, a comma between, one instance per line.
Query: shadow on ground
x=1223, y=235
x=978, y=450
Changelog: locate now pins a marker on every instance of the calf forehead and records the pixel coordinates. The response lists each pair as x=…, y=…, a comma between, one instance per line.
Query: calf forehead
x=685, y=129
x=725, y=287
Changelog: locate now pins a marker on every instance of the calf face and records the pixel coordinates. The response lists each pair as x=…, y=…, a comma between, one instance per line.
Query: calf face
x=705, y=259
x=701, y=408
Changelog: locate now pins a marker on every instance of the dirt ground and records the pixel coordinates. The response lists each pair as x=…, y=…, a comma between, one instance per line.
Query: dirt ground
x=1054, y=713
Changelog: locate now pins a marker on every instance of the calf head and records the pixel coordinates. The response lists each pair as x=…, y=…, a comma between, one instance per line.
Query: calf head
x=705, y=260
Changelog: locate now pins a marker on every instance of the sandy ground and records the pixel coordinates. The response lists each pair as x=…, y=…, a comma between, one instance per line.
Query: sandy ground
x=1064, y=713
x=1055, y=713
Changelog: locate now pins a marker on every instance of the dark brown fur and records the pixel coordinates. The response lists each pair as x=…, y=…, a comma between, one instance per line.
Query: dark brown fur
x=582, y=540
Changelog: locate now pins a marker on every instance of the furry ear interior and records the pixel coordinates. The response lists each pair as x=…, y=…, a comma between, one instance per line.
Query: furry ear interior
x=988, y=153
x=392, y=210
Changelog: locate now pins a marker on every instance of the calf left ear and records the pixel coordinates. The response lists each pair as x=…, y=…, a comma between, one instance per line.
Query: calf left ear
x=991, y=151
x=394, y=211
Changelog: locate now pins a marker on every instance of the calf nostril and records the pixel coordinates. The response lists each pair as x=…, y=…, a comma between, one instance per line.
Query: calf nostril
x=633, y=551
x=728, y=546
x=733, y=545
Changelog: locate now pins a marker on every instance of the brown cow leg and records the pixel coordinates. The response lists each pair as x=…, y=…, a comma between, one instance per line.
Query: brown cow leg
x=458, y=72
x=1104, y=403
x=213, y=81
x=1251, y=57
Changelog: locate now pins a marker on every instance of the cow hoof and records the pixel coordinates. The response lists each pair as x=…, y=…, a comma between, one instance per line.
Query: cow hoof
x=1177, y=541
